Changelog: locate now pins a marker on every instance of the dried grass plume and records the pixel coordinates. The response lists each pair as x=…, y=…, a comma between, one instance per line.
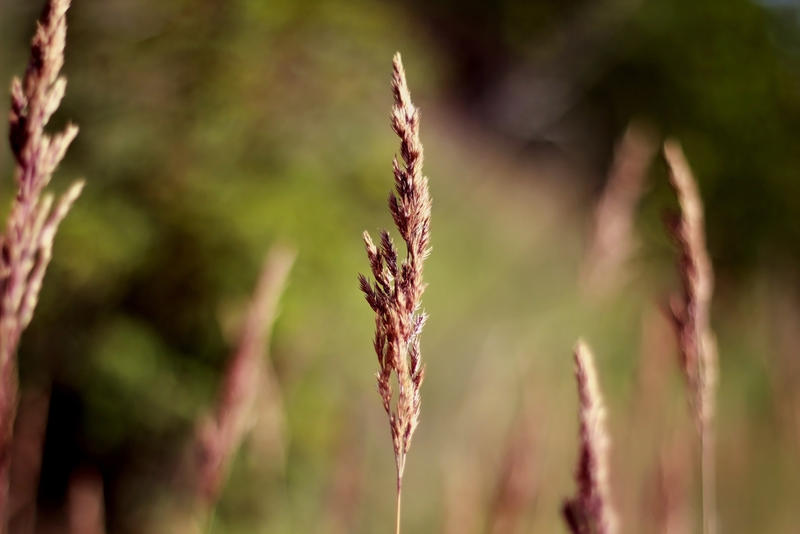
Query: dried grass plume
x=396, y=293
x=27, y=244
x=591, y=510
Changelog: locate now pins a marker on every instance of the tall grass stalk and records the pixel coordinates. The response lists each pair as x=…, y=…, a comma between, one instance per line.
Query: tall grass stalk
x=613, y=239
x=691, y=317
x=396, y=293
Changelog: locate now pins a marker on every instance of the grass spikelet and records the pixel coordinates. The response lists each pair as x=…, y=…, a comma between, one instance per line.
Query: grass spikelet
x=396, y=293
x=691, y=316
x=590, y=511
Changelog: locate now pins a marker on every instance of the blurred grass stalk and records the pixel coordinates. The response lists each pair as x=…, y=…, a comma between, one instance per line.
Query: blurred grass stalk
x=671, y=514
x=30, y=430
x=613, y=240
x=249, y=380
x=34, y=218
x=518, y=480
x=691, y=316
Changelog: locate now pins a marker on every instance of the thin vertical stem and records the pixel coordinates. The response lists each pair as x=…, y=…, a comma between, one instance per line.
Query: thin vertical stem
x=708, y=475
x=399, y=503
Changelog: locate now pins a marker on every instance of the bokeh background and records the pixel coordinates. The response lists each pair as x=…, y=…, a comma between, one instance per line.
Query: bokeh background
x=212, y=130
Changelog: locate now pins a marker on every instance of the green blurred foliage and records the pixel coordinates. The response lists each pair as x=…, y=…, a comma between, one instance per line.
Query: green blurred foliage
x=722, y=76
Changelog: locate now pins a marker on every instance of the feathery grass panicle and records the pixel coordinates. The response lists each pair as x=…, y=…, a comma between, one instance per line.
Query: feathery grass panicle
x=246, y=374
x=27, y=243
x=397, y=290
x=591, y=510
x=691, y=315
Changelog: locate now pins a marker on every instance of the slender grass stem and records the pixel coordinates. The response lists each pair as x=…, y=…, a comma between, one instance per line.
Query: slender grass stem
x=399, y=505
x=708, y=490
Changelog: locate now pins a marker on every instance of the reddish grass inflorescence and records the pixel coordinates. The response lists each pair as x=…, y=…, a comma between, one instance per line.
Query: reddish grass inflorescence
x=396, y=293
